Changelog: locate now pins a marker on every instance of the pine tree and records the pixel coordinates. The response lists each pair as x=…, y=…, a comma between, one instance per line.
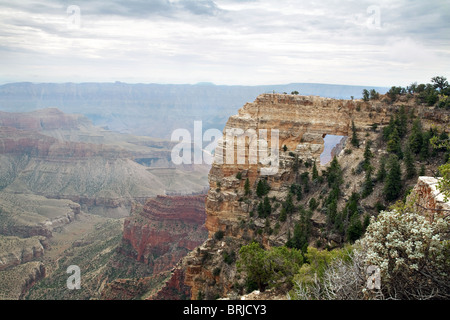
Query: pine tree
x=288, y=205
x=401, y=122
x=283, y=214
x=368, y=184
x=381, y=174
x=267, y=207
x=334, y=173
x=393, y=184
x=355, y=229
x=387, y=131
x=247, y=187
x=394, y=144
x=260, y=209
x=367, y=155
x=422, y=170
x=262, y=188
x=409, y=164
x=354, y=141
x=315, y=173
x=366, y=95
x=416, y=137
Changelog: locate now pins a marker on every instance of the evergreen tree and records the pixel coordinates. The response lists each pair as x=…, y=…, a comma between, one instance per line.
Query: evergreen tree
x=302, y=232
x=387, y=131
x=409, y=164
x=368, y=184
x=267, y=207
x=367, y=155
x=315, y=173
x=354, y=140
x=374, y=95
x=425, y=148
x=261, y=213
x=288, y=205
x=262, y=188
x=334, y=173
x=283, y=215
x=416, y=137
x=381, y=174
x=393, y=183
x=355, y=229
x=366, y=95
x=401, y=121
x=247, y=187
x=422, y=170
x=394, y=144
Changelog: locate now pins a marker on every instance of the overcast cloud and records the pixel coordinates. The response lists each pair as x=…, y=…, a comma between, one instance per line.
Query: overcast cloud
x=249, y=42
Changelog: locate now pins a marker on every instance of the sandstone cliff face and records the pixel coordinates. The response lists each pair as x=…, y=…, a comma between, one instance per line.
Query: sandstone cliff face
x=164, y=230
x=427, y=199
x=302, y=122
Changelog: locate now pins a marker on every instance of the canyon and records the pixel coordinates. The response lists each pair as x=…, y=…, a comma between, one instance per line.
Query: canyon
x=142, y=228
x=302, y=122
x=62, y=178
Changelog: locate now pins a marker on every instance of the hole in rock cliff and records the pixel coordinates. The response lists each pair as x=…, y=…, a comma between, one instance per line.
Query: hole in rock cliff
x=333, y=145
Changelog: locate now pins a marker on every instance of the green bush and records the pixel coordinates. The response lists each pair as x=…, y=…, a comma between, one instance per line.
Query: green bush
x=275, y=266
x=219, y=235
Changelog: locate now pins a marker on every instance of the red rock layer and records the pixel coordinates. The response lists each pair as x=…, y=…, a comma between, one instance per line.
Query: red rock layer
x=165, y=230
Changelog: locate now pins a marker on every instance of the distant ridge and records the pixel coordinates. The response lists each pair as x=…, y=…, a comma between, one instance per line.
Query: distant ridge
x=154, y=109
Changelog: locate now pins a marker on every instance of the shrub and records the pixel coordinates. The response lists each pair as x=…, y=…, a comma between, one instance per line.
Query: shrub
x=219, y=235
x=229, y=257
x=216, y=271
x=264, y=267
x=412, y=253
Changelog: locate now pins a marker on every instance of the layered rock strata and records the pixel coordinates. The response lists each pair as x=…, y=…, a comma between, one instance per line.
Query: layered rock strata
x=164, y=230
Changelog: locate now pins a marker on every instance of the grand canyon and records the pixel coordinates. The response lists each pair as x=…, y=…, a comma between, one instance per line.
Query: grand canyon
x=140, y=227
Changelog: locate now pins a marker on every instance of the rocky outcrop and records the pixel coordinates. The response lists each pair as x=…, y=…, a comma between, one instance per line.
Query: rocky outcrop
x=427, y=199
x=301, y=123
x=164, y=230
x=15, y=282
x=15, y=251
x=174, y=289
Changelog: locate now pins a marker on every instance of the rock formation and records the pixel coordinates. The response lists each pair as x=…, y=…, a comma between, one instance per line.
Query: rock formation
x=157, y=236
x=427, y=199
x=164, y=230
x=301, y=123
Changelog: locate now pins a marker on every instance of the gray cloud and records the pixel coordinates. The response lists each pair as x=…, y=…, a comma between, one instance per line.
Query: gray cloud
x=232, y=41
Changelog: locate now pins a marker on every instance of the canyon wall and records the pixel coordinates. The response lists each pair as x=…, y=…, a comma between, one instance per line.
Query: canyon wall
x=301, y=123
x=164, y=230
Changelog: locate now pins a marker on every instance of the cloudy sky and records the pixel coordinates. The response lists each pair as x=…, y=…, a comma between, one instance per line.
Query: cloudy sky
x=246, y=42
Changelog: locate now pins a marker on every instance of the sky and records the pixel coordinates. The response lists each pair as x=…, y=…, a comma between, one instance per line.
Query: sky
x=230, y=42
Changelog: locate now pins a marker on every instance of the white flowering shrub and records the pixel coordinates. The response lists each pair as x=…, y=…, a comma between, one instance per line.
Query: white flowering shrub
x=412, y=254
